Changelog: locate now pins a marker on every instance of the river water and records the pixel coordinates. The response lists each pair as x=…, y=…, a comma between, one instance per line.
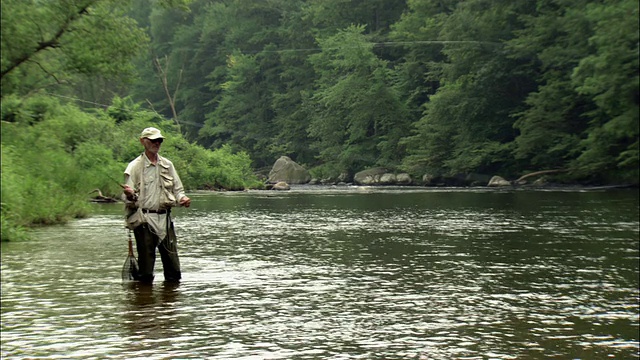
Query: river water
x=340, y=273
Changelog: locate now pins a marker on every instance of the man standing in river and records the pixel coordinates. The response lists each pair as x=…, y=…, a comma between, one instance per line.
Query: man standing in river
x=152, y=187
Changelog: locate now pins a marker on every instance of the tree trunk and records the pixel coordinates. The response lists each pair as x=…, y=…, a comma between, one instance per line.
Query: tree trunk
x=162, y=74
x=542, y=172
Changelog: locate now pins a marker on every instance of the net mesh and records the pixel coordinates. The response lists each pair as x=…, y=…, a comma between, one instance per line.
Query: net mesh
x=130, y=268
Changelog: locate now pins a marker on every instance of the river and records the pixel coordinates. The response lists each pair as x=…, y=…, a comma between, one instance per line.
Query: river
x=340, y=273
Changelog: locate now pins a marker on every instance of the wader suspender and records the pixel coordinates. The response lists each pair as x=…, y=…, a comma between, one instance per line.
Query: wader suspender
x=141, y=174
x=168, y=220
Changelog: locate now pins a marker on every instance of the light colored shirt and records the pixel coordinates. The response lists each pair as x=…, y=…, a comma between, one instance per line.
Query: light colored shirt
x=157, y=186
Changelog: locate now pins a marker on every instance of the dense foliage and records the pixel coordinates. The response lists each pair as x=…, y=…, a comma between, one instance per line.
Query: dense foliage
x=449, y=87
x=55, y=155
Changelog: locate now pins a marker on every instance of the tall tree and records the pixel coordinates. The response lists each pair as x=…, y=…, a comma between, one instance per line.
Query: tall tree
x=584, y=114
x=466, y=125
x=609, y=75
x=241, y=87
x=163, y=68
x=356, y=117
x=377, y=16
x=554, y=40
x=417, y=34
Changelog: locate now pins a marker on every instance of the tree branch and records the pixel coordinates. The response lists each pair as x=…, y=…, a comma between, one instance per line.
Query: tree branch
x=162, y=74
x=53, y=42
x=541, y=173
x=47, y=72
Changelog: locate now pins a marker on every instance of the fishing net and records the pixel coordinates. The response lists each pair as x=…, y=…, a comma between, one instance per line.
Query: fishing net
x=130, y=268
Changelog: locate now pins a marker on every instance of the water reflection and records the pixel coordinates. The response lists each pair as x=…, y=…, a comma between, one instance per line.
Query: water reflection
x=151, y=315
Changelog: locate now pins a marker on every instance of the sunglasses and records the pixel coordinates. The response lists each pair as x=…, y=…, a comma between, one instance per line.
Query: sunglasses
x=156, y=141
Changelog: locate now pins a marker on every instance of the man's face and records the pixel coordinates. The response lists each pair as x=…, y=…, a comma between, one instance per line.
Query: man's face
x=152, y=146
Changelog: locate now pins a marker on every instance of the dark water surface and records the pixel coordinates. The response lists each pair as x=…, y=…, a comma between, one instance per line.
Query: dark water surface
x=350, y=273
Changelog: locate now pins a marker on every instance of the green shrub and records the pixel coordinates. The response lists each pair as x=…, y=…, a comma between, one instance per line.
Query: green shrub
x=325, y=171
x=54, y=155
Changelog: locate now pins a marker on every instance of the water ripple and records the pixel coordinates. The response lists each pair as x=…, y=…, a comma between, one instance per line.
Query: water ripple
x=367, y=276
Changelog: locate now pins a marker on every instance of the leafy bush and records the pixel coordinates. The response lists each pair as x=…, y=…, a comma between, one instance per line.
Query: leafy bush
x=325, y=171
x=54, y=155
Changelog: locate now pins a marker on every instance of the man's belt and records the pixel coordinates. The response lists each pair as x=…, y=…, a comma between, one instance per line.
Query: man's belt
x=163, y=211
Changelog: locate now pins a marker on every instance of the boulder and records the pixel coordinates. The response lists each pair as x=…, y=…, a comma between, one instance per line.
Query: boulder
x=430, y=179
x=380, y=176
x=404, y=179
x=287, y=170
x=369, y=176
x=498, y=181
x=344, y=177
x=541, y=182
x=387, y=179
x=281, y=185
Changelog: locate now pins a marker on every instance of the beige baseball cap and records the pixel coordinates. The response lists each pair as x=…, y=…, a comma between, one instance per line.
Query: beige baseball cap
x=151, y=133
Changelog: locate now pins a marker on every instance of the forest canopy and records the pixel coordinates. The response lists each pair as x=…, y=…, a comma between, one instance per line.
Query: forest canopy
x=447, y=87
x=419, y=86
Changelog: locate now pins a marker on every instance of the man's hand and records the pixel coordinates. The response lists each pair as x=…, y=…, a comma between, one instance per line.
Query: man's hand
x=128, y=192
x=185, y=201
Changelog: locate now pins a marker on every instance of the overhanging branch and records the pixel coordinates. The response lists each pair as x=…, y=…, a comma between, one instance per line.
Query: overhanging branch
x=53, y=42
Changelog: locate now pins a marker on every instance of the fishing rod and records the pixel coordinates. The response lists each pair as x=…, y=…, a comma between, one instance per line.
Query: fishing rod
x=100, y=195
x=114, y=180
